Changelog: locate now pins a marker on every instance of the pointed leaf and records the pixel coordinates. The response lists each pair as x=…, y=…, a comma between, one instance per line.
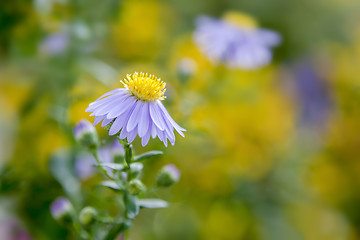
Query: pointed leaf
x=112, y=185
x=132, y=208
x=147, y=155
x=152, y=203
x=113, y=166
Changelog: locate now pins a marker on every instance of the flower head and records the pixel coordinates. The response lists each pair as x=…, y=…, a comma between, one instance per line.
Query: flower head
x=136, y=109
x=144, y=86
x=235, y=40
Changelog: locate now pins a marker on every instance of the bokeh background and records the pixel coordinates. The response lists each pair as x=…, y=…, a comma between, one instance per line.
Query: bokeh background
x=272, y=153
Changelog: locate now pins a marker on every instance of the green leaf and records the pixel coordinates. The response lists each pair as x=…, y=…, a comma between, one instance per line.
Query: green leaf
x=147, y=155
x=120, y=167
x=112, y=185
x=131, y=206
x=61, y=168
x=152, y=203
x=113, y=166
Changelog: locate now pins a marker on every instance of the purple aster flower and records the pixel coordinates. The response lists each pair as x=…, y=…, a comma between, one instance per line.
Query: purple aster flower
x=136, y=109
x=235, y=40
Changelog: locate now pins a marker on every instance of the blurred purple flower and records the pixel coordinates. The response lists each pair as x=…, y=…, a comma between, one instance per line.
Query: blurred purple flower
x=116, y=148
x=55, y=44
x=84, y=164
x=83, y=127
x=313, y=95
x=60, y=207
x=237, y=45
x=136, y=109
x=11, y=229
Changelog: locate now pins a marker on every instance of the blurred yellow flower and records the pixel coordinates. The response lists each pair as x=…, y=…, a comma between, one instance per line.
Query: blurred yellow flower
x=140, y=30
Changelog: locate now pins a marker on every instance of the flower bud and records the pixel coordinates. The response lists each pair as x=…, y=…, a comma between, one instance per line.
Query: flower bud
x=61, y=209
x=87, y=216
x=85, y=133
x=168, y=176
x=136, y=187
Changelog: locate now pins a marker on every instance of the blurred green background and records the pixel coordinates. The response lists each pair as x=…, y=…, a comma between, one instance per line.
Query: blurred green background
x=269, y=154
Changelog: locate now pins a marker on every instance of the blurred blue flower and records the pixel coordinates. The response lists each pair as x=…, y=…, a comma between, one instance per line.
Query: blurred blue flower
x=84, y=164
x=239, y=44
x=54, y=44
x=313, y=95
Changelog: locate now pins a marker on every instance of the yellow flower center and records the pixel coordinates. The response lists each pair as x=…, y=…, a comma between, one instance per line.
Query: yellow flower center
x=144, y=86
x=241, y=19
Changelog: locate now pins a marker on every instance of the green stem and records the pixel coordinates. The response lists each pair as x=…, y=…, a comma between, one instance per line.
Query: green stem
x=128, y=159
x=128, y=152
x=80, y=232
x=115, y=230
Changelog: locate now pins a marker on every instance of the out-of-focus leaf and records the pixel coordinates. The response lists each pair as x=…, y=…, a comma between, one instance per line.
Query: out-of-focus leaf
x=112, y=185
x=136, y=167
x=147, y=155
x=119, y=167
x=61, y=168
x=131, y=206
x=113, y=166
x=152, y=203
